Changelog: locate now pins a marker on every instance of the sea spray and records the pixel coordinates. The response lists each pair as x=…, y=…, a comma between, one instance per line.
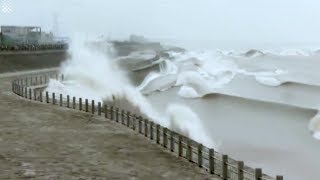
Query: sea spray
x=184, y=121
x=93, y=75
x=314, y=126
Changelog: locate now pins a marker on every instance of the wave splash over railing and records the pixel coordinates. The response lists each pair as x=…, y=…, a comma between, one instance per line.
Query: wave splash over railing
x=221, y=165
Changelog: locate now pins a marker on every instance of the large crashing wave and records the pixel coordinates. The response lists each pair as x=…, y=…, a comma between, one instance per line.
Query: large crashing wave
x=193, y=72
x=201, y=73
x=92, y=75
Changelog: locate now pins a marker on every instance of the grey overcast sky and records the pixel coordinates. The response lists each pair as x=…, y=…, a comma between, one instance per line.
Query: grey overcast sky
x=229, y=20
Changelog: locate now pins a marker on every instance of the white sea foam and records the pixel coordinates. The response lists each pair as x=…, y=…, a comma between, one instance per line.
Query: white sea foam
x=188, y=92
x=183, y=120
x=269, y=81
x=314, y=126
x=202, y=73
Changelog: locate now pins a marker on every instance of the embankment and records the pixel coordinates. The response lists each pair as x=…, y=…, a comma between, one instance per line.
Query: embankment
x=29, y=60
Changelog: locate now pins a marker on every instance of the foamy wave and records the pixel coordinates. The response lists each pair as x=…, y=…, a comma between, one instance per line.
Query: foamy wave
x=254, y=53
x=268, y=78
x=183, y=120
x=269, y=81
x=314, y=126
x=202, y=73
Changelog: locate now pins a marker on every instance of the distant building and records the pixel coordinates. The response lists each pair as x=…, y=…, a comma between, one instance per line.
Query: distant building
x=14, y=35
x=137, y=39
x=20, y=34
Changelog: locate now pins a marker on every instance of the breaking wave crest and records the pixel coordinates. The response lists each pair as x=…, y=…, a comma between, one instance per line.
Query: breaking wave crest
x=201, y=73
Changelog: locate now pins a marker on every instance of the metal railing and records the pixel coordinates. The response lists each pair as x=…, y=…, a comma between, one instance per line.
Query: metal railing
x=34, y=47
x=214, y=162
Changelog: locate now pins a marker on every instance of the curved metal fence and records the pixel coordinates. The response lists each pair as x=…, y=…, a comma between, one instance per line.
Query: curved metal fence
x=213, y=162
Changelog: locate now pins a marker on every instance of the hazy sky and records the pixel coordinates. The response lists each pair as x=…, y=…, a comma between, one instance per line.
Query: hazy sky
x=224, y=20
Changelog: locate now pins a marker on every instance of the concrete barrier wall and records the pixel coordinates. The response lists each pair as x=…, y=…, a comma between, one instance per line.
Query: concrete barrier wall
x=213, y=162
x=30, y=60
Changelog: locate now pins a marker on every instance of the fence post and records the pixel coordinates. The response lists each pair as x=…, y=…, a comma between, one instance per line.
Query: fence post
x=34, y=95
x=68, y=101
x=140, y=124
x=151, y=130
x=133, y=120
x=36, y=80
x=47, y=97
x=20, y=90
x=211, y=161
x=41, y=96
x=26, y=81
x=26, y=92
x=179, y=145
x=240, y=170
x=74, y=102
x=53, y=98
x=105, y=111
x=117, y=114
x=61, y=100
x=62, y=77
x=279, y=178
x=146, y=127
x=122, y=116
x=31, y=78
x=165, y=139
x=80, y=104
x=128, y=119
x=87, y=105
x=225, y=167
x=258, y=174
x=171, y=141
x=111, y=113
x=92, y=106
x=189, y=150
x=30, y=94
x=200, y=155
x=158, y=133
x=99, y=108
